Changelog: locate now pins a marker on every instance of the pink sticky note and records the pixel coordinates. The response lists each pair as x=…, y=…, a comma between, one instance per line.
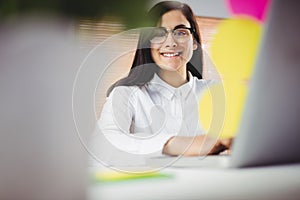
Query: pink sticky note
x=252, y=8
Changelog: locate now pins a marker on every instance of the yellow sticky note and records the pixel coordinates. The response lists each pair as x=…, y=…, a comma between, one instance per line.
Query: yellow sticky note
x=113, y=176
x=234, y=47
x=233, y=51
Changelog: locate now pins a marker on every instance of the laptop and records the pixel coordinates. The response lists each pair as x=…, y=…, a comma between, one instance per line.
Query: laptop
x=269, y=132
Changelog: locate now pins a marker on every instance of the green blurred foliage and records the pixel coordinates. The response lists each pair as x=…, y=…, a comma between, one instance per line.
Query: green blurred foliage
x=131, y=12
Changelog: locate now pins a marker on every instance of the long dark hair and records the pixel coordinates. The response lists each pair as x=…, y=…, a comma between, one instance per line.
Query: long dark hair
x=143, y=66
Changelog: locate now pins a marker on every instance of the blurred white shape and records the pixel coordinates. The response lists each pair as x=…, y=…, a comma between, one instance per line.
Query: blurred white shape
x=41, y=155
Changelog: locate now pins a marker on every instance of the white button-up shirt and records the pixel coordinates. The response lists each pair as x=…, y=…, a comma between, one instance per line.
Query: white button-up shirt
x=140, y=120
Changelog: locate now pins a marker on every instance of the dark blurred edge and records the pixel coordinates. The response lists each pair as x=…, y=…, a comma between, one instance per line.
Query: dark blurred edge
x=130, y=12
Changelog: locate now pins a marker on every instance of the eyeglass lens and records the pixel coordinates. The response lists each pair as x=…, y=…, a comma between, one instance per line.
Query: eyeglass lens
x=159, y=35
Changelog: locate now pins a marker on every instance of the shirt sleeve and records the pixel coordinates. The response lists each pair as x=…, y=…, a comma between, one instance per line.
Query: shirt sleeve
x=116, y=119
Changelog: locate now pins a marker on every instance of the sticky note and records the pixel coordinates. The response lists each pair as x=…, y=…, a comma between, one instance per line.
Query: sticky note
x=113, y=176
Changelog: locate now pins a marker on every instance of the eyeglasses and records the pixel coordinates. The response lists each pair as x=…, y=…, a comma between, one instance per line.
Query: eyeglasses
x=180, y=34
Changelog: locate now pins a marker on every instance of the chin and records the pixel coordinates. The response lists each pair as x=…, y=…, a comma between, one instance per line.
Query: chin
x=170, y=67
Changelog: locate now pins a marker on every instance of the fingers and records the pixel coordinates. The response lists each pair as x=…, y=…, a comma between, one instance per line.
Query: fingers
x=227, y=142
x=217, y=149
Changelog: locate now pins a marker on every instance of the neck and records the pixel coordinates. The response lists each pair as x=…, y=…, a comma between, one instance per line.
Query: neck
x=173, y=78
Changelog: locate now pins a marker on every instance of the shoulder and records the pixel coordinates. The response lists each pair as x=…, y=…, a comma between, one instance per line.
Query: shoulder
x=122, y=90
x=201, y=84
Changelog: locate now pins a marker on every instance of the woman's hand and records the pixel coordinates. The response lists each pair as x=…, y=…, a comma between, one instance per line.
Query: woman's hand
x=200, y=145
x=222, y=146
x=228, y=144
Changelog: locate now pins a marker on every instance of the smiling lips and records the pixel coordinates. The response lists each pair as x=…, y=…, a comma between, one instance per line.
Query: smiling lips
x=170, y=54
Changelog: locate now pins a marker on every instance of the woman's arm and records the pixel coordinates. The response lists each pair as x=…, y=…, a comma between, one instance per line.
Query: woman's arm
x=116, y=121
x=200, y=145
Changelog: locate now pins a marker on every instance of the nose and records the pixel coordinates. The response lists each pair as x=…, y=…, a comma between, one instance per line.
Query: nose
x=170, y=41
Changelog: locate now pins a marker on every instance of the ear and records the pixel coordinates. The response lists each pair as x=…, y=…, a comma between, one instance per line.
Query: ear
x=195, y=45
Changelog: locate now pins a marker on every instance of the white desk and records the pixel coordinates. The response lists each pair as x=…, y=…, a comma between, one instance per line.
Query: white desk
x=275, y=182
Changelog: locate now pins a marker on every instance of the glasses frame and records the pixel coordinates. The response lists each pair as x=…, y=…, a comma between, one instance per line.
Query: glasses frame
x=168, y=31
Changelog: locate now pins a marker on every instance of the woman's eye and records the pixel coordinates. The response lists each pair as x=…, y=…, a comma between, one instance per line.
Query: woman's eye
x=181, y=32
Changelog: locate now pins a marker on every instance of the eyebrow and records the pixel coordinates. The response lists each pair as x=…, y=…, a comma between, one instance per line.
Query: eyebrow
x=181, y=26
x=178, y=26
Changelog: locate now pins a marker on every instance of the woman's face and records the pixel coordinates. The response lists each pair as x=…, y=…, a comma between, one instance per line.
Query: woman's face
x=175, y=51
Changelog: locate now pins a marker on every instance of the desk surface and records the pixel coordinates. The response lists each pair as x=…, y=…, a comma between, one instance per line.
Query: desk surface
x=273, y=182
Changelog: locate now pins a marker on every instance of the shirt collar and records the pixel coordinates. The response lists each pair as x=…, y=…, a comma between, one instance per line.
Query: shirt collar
x=169, y=91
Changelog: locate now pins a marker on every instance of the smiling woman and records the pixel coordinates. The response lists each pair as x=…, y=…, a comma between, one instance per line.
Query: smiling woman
x=173, y=51
x=154, y=108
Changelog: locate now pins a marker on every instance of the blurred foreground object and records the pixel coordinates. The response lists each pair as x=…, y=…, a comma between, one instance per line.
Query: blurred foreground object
x=256, y=9
x=131, y=12
x=41, y=155
x=233, y=51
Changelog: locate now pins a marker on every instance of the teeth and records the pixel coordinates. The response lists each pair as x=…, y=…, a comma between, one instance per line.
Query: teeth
x=170, y=54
